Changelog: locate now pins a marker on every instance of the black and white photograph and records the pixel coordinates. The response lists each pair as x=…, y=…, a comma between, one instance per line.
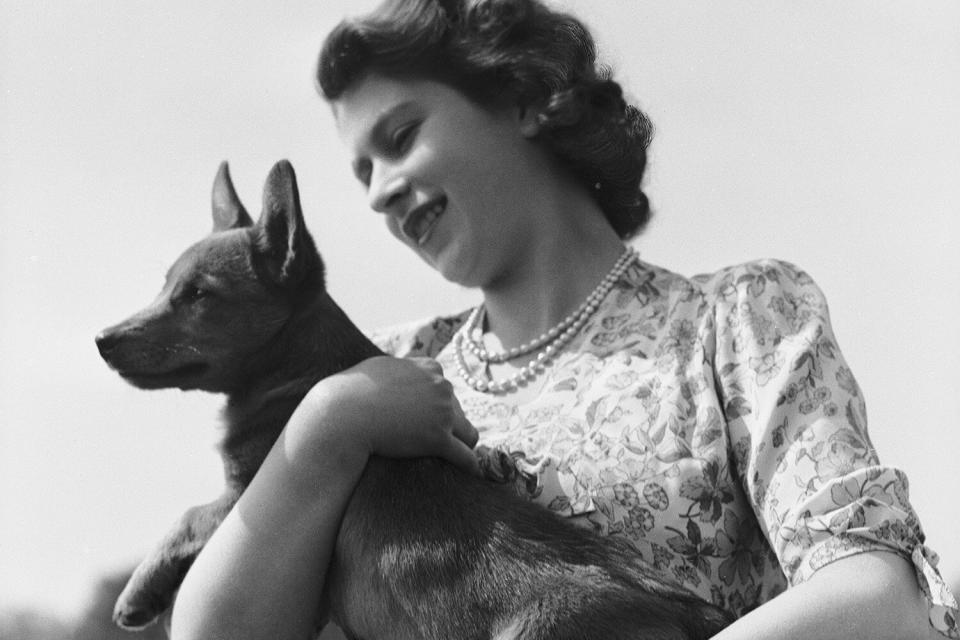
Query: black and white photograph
x=479, y=320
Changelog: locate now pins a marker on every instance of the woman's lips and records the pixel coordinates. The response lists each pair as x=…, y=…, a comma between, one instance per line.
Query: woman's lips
x=420, y=222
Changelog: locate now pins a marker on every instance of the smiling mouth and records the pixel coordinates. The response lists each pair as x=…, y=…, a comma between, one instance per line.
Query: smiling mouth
x=421, y=221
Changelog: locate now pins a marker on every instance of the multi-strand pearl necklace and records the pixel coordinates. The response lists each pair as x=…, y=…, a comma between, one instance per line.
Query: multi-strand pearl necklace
x=549, y=343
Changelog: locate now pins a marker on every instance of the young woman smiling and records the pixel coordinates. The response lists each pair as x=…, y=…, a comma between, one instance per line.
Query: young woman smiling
x=711, y=421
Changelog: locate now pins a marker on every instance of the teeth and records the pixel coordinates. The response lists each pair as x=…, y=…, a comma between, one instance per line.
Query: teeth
x=421, y=224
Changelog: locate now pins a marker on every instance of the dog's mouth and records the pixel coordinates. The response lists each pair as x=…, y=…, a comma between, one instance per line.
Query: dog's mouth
x=175, y=377
x=419, y=223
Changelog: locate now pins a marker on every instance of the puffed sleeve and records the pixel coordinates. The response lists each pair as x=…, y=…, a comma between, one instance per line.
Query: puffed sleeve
x=421, y=338
x=797, y=423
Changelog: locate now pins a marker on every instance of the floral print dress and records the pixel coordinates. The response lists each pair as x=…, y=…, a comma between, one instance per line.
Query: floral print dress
x=711, y=421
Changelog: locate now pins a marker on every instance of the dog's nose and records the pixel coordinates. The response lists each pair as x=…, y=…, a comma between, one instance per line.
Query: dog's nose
x=106, y=340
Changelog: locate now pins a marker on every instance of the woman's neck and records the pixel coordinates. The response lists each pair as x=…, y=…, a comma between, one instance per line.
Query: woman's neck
x=552, y=278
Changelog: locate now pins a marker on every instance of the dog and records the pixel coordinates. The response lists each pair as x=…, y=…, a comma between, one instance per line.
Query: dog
x=245, y=312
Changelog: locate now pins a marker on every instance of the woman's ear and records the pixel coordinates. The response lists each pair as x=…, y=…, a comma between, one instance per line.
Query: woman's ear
x=528, y=120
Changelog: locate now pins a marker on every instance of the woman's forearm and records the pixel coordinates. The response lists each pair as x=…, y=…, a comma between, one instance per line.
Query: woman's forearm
x=870, y=595
x=262, y=573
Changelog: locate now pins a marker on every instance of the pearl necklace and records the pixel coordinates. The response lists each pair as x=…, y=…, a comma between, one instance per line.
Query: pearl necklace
x=551, y=341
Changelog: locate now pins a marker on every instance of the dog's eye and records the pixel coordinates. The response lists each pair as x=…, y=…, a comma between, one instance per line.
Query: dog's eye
x=192, y=294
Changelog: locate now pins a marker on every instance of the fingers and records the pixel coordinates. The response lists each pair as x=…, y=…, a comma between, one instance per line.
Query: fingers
x=428, y=364
x=462, y=456
x=462, y=428
x=459, y=449
x=425, y=417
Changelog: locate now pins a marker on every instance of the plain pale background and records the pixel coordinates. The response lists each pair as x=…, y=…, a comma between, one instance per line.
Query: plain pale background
x=823, y=133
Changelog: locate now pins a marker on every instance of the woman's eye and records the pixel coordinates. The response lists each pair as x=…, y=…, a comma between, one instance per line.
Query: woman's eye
x=403, y=136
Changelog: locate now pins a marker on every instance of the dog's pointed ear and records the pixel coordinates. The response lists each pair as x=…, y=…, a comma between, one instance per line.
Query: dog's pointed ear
x=228, y=211
x=282, y=241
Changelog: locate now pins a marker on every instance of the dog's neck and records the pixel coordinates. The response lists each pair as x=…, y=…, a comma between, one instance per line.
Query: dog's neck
x=318, y=340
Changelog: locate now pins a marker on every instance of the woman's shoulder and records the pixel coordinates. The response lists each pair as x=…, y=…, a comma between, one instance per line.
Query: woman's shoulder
x=756, y=273
x=425, y=337
x=751, y=279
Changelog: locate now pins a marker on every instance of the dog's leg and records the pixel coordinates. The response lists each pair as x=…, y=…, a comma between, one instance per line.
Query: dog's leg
x=151, y=588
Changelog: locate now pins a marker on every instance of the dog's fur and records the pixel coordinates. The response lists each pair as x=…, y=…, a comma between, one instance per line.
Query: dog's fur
x=425, y=550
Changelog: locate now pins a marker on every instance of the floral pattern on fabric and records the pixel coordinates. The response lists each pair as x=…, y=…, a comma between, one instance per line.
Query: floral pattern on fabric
x=712, y=422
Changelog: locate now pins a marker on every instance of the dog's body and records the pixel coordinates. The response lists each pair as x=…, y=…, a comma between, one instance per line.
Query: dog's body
x=425, y=551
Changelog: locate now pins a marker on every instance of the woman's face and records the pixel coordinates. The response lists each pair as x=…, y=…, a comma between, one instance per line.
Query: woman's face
x=452, y=177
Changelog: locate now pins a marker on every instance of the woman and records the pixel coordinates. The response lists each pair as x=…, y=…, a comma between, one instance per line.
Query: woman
x=712, y=421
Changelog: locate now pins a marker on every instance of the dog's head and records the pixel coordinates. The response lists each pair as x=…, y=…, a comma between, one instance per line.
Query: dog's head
x=225, y=298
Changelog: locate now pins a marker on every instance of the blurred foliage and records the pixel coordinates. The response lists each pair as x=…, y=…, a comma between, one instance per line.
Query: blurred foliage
x=95, y=623
x=31, y=625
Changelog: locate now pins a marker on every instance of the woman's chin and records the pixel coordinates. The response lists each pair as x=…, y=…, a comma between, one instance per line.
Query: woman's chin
x=451, y=265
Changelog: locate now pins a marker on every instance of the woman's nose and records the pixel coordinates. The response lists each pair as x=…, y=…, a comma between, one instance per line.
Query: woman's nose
x=386, y=195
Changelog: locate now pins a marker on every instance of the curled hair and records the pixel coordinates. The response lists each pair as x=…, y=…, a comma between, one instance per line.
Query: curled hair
x=510, y=52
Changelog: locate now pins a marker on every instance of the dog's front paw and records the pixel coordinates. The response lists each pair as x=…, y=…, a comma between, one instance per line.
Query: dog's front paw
x=153, y=585
x=134, y=616
x=149, y=592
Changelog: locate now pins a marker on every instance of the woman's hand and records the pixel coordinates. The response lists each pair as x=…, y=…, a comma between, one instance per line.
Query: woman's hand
x=390, y=407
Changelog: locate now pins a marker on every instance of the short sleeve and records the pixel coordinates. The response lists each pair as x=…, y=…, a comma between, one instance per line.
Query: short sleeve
x=798, y=428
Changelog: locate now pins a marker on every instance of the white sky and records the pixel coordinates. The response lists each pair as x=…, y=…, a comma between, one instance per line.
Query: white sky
x=824, y=133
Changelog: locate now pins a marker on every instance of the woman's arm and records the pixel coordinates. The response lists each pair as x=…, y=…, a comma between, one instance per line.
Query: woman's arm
x=871, y=595
x=840, y=523
x=262, y=573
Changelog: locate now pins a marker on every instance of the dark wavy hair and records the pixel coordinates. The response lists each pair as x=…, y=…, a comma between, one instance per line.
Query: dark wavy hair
x=510, y=51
